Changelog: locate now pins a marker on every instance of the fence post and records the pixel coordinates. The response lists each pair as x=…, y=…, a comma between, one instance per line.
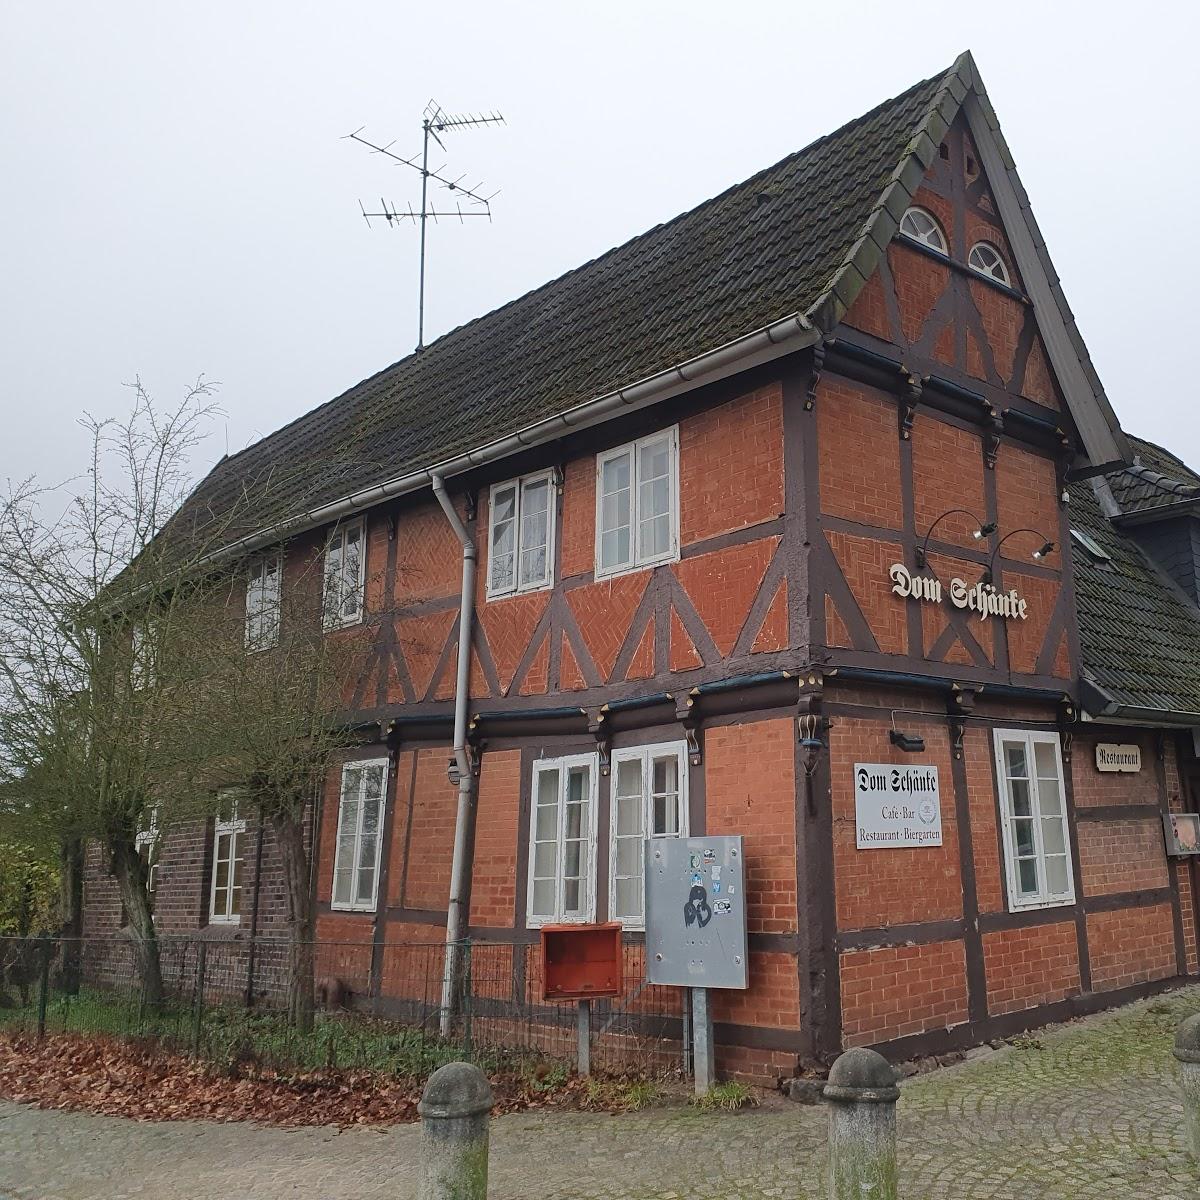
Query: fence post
x=455, y=1109
x=198, y=998
x=43, y=986
x=862, y=1095
x=1187, y=1052
x=465, y=999
x=583, y=1030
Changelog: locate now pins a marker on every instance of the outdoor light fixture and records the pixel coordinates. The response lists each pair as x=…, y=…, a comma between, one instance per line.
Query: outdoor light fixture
x=1046, y=548
x=906, y=741
x=981, y=530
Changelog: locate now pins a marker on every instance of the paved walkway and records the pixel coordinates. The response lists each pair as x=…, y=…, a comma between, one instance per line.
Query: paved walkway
x=1085, y=1111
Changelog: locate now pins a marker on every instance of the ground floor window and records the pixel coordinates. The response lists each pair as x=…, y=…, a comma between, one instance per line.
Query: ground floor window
x=360, y=818
x=562, y=841
x=1037, y=844
x=146, y=844
x=229, y=831
x=649, y=800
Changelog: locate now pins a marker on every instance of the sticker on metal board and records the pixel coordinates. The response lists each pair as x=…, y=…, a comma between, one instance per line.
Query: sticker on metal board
x=733, y=891
x=722, y=907
x=695, y=861
x=710, y=855
x=716, y=889
x=697, y=879
x=716, y=874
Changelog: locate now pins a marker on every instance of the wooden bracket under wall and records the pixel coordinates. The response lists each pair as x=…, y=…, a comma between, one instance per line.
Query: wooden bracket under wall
x=1066, y=727
x=475, y=748
x=811, y=726
x=686, y=715
x=991, y=438
x=597, y=725
x=818, y=364
x=960, y=704
x=392, y=738
x=910, y=397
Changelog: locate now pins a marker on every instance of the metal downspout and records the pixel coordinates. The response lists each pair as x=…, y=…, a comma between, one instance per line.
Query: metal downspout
x=456, y=913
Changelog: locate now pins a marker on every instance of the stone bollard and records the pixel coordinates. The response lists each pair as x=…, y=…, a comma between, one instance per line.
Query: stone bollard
x=455, y=1109
x=1187, y=1051
x=862, y=1095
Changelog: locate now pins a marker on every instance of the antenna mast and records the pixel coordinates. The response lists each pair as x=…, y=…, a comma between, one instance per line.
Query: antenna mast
x=434, y=121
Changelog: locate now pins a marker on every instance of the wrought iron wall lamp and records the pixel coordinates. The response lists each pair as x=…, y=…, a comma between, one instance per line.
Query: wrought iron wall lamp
x=982, y=529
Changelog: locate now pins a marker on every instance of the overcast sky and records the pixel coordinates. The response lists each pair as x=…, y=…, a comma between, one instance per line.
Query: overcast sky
x=177, y=201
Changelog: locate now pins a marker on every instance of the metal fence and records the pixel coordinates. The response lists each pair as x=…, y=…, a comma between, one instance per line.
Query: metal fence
x=379, y=1007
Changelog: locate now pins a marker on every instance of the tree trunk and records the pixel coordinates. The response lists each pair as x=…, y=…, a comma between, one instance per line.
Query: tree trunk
x=289, y=834
x=70, y=907
x=130, y=872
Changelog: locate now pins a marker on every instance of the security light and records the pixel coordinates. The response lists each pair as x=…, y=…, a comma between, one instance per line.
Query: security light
x=906, y=741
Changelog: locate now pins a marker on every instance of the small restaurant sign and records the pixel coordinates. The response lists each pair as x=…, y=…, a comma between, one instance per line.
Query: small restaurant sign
x=1114, y=756
x=983, y=598
x=896, y=806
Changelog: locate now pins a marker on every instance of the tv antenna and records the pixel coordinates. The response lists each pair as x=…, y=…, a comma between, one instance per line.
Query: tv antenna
x=434, y=121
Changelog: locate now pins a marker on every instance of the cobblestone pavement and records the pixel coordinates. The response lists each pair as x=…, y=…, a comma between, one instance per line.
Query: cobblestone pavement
x=1089, y=1110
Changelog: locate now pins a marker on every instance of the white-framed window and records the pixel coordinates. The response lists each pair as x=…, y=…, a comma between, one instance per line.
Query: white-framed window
x=145, y=843
x=345, y=575
x=1037, y=842
x=359, y=834
x=562, y=841
x=229, y=833
x=263, y=594
x=987, y=260
x=649, y=800
x=923, y=227
x=521, y=535
x=637, y=503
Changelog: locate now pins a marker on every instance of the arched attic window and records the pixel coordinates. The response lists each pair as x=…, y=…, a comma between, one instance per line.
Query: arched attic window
x=987, y=260
x=923, y=227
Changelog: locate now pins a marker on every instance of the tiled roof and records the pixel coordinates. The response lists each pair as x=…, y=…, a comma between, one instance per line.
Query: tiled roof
x=787, y=241
x=1156, y=478
x=1139, y=637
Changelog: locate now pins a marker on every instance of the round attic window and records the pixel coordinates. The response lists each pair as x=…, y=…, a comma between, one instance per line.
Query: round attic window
x=985, y=259
x=923, y=227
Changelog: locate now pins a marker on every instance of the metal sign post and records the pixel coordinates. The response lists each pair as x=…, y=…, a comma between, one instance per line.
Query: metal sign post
x=696, y=928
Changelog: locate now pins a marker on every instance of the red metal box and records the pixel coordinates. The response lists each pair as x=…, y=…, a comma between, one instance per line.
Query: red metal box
x=581, y=962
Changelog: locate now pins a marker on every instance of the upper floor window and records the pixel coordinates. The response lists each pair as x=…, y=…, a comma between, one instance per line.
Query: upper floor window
x=562, y=841
x=360, y=819
x=263, y=593
x=987, y=260
x=637, y=503
x=345, y=575
x=229, y=830
x=1037, y=844
x=649, y=800
x=521, y=535
x=142, y=645
x=146, y=845
x=923, y=227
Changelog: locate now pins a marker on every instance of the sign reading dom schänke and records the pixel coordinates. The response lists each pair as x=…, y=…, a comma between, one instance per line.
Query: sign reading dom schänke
x=896, y=806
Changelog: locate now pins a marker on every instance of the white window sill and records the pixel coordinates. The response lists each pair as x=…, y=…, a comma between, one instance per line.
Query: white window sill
x=362, y=908
x=538, y=922
x=227, y=922
x=649, y=565
x=1033, y=905
x=489, y=595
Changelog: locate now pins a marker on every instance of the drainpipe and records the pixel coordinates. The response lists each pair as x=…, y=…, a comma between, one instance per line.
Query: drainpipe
x=460, y=881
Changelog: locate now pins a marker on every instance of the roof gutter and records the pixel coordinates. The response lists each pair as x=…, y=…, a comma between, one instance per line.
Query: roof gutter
x=770, y=342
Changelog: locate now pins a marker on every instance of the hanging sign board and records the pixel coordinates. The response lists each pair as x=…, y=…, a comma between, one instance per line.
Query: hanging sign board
x=896, y=806
x=1183, y=833
x=1113, y=756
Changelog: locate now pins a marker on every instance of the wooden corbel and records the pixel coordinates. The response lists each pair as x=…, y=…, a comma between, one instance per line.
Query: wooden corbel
x=960, y=704
x=475, y=748
x=685, y=714
x=391, y=736
x=597, y=726
x=910, y=397
x=818, y=365
x=1066, y=727
x=991, y=438
x=811, y=726
x=1062, y=466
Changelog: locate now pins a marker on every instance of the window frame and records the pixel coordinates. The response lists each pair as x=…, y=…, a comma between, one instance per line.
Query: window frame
x=255, y=642
x=234, y=826
x=1004, y=277
x=943, y=249
x=519, y=484
x=340, y=533
x=354, y=905
x=646, y=755
x=1043, y=898
x=637, y=561
x=563, y=765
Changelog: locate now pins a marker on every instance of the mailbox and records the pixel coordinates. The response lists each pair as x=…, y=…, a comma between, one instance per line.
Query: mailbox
x=581, y=962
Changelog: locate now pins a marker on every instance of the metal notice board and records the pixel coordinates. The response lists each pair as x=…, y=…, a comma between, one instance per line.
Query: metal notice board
x=696, y=912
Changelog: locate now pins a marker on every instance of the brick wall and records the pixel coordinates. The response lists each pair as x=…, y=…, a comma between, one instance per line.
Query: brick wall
x=895, y=991
x=426, y=811
x=1130, y=946
x=1028, y=967
x=1121, y=856
x=858, y=454
x=497, y=808
x=882, y=887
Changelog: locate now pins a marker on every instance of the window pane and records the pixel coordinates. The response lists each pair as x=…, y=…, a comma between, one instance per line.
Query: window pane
x=629, y=855
x=615, y=516
x=220, y=902
x=1027, y=876
x=543, y=898
x=577, y=781
x=666, y=797
x=1021, y=804
x=654, y=536
x=1046, y=760
x=1014, y=760
x=1049, y=797
x=547, y=784
x=370, y=823
x=535, y=532
x=573, y=859
x=573, y=822
x=1057, y=875
x=629, y=900
x=502, y=569
x=366, y=883
x=1053, y=838
x=222, y=875
x=614, y=547
x=373, y=781
x=235, y=902
x=572, y=896
x=629, y=777
x=341, y=884
x=1023, y=836
x=546, y=826
x=545, y=856
x=366, y=851
x=629, y=816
